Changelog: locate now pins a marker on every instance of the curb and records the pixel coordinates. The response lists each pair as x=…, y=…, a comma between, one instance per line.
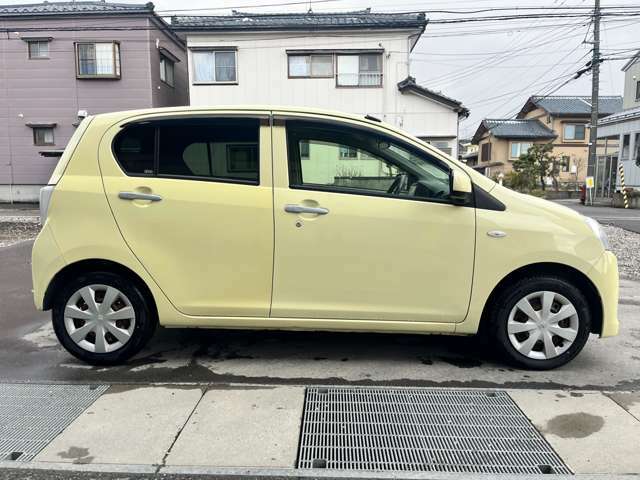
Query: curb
x=233, y=473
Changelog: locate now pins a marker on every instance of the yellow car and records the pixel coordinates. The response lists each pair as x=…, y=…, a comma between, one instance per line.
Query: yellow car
x=300, y=219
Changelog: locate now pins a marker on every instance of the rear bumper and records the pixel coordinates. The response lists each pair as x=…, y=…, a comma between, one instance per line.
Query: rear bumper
x=604, y=275
x=46, y=262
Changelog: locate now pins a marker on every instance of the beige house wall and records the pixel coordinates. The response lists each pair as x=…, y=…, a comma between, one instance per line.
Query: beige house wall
x=631, y=79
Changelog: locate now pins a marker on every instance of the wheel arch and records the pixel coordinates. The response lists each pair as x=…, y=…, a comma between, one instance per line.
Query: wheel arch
x=566, y=272
x=96, y=265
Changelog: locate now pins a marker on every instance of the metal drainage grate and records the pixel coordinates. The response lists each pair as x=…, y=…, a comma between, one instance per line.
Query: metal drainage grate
x=33, y=415
x=432, y=430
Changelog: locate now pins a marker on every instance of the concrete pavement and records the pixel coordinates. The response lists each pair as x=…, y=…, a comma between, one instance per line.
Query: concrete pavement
x=255, y=428
x=629, y=218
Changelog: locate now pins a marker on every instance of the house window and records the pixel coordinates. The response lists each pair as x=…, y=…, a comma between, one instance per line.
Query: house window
x=519, y=148
x=564, y=164
x=638, y=90
x=364, y=70
x=348, y=153
x=38, y=49
x=214, y=66
x=166, y=70
x=625, y=147
x=310, y=66
x=43, y=136
x=485, y=152
x=441, y=145
x=574, y=131
x=98, y=60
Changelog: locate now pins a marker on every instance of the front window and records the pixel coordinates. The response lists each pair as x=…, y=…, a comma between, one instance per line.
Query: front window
x=574, y=131
x=485, y=152
x=363, y=70
x=43, y=136
x=98, y=60
x=379, y=166
x=166, y=70
x=519, y=148
x=38, y=49
x=214, y=66
x=310, y=66
x=565, y=164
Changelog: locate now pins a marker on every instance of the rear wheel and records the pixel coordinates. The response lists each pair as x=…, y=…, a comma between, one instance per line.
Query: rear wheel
x=102, y=318
x=541, y=322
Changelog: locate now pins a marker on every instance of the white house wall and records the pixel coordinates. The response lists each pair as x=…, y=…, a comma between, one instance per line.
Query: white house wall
x=263, y=79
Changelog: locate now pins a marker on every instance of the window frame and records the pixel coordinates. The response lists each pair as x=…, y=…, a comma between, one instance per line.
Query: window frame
x=294, y=161
x=574, y=124
x=637, y=90
x=116, y=60
x=520, y=153
x=487, y=146
x=359, y=54
x=34, y=41
x=311, y=56
x=215, y=50
x=44, y=143
x=164, y=61
x=156, y=123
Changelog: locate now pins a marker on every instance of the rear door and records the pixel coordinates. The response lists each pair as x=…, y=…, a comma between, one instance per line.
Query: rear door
x=193, y=200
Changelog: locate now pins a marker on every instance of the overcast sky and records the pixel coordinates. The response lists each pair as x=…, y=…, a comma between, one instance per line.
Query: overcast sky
x=492, y=67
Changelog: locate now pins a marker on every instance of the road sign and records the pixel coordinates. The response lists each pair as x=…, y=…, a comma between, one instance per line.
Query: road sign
x=590, y=182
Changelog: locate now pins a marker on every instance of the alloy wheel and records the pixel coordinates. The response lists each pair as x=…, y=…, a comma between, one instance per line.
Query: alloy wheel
x=99, y=318
x=542, y=325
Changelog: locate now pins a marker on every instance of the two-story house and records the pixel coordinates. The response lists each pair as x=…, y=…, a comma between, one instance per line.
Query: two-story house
x=561, y=120
x=62, y=61
x=621, y=132
x=357, y=62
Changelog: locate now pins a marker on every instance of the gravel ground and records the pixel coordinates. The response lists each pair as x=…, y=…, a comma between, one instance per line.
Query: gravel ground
x=17, y=228
x=626, y=246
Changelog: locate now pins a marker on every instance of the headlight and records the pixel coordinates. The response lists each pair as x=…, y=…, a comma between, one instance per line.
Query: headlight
x=598, y=231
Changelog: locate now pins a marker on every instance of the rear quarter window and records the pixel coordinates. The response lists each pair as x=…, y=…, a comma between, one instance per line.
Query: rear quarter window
x=134, y=148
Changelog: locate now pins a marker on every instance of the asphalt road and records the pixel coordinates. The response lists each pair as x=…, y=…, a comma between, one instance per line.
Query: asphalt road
x=629, y=219
x=29, y=352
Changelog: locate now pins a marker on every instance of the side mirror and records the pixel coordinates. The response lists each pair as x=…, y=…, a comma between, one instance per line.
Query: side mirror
x=461, y=188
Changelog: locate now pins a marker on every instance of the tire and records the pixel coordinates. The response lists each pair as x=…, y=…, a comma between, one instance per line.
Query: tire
x=89, y=332
x=512, y=322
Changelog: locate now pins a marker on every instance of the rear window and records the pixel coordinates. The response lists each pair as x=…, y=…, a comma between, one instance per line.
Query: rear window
x=135, y=149
x=218, y=149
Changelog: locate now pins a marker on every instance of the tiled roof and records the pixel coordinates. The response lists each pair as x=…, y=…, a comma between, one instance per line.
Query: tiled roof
x=72, y=8
x=624, y=115
x=409, y=84
x=514, y=128
x=572, y=105
x=301, y=21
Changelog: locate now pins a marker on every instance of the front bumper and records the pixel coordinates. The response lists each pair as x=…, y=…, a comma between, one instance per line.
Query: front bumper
x=604, y=275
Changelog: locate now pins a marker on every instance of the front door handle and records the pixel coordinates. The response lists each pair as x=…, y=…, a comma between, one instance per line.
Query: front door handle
x=291, y=208
x=139, y=196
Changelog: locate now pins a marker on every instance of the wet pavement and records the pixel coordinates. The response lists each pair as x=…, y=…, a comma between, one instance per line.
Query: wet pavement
x=29, y=352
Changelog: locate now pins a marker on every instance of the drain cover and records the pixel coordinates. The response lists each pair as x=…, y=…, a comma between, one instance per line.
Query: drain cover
x=397, y=429
x=33, y=415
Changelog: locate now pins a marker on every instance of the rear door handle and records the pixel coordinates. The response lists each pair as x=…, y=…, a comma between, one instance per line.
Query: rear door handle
x=291, y=208
x=139, y=196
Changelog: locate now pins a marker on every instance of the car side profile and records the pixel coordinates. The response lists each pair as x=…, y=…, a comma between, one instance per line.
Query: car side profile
x=300, y=219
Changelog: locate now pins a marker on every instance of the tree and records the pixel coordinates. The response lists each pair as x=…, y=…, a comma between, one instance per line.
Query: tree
x=537, y=164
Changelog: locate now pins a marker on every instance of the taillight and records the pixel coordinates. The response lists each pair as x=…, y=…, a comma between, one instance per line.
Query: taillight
x=45, y=197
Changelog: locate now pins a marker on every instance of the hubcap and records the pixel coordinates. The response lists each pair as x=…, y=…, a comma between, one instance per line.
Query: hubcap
x=99, y=318
x=543, y=325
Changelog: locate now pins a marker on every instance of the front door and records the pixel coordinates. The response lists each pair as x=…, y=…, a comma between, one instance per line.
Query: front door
x=193, y=200
x=364, y=229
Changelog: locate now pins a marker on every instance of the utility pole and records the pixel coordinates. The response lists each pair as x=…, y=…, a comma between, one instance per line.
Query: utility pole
x=595, y=88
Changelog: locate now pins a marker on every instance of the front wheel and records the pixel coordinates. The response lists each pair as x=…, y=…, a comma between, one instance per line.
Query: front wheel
x=541, y=323
x=102, y=318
